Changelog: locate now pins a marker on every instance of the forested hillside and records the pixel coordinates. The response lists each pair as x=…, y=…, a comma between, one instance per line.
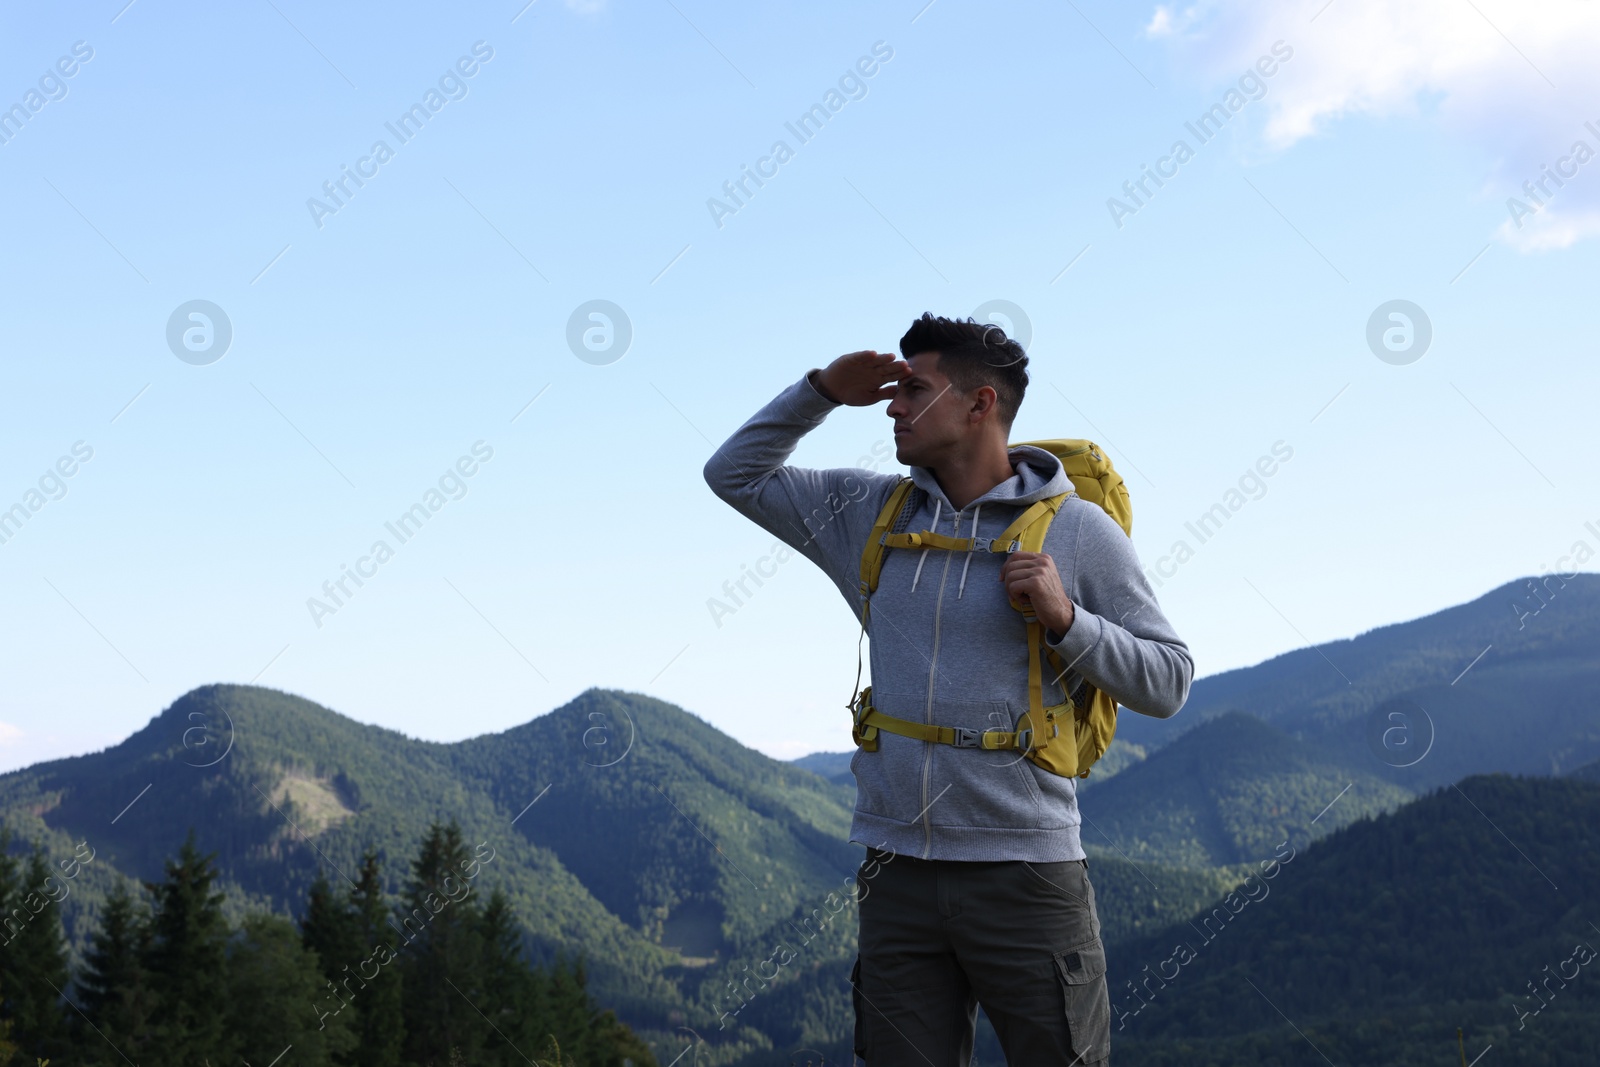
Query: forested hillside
x=705, y=890
x=1226, y=792
x=628, y=833
x=1512, y=676
x=1476, y=906
x=361, y=978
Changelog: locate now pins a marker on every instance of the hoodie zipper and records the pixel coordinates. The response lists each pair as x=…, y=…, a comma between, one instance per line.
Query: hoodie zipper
x=933, y=664
x=927, y=715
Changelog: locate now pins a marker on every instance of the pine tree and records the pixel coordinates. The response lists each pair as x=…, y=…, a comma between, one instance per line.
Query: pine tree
x=33, y=959
x=509, y=985
x=567, y=999
x=8, y=1048
x=547, y=1013
x=13, y=917
x=114, y=988
x=441, y=981
x=275, y=998
x=187, y=960
x=380, y=1022
x=585, y=1032
x=331, y=930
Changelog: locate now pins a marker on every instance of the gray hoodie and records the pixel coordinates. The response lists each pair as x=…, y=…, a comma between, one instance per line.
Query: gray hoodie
x=947, y=647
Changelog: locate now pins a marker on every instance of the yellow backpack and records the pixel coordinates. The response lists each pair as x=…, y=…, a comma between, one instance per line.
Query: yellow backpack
x=1095, y=721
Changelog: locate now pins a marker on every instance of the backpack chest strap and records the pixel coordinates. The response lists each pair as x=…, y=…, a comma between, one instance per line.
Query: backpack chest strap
x=1009, y=541
x=929, y=539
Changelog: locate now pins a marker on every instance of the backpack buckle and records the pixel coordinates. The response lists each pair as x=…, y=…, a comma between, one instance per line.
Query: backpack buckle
x=965, y=737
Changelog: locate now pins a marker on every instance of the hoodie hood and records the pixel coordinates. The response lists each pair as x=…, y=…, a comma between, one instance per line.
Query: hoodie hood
x=1037, y=475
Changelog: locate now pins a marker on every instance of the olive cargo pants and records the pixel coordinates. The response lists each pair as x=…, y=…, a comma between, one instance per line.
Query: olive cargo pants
x=939, y=937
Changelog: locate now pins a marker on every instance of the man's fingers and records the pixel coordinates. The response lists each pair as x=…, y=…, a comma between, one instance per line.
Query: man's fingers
x=1025, y=561
x=867, y=359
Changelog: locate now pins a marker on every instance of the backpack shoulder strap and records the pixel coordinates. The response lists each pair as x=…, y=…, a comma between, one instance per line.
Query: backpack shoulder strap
x=871, y=568
x=872, y=551
x=1026, y=533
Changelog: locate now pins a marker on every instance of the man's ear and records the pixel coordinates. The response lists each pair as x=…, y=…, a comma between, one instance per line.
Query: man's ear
x=983, y=402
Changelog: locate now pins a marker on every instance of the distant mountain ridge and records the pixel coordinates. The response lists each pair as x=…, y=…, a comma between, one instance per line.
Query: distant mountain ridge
x=834, y=766
x=1397, y=711
x=674, y=859
x=1515, y=673
x=1227, y=792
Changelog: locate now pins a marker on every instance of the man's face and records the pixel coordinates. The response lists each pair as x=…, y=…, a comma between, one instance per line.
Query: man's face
x=929, y=415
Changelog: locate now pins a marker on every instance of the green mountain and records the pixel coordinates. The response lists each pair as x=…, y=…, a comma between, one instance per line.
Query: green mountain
x=680, y=865
x=1476, y=906
x=1497, y=685
x=1589, y=772
x=1508, y=682
x=623, y=829
x=1226, y=792
x=834, y=766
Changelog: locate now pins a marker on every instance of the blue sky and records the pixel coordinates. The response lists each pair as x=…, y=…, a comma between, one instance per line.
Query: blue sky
x=374, y=346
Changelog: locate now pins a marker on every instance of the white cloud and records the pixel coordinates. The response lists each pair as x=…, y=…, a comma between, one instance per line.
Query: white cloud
x=1550, y=229
x=1511, y=78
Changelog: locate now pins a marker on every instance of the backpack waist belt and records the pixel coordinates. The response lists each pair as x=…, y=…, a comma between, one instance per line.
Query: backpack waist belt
x=868, y=720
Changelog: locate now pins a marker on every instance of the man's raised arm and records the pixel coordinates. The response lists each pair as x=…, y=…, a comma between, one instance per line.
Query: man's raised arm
x=821, y=513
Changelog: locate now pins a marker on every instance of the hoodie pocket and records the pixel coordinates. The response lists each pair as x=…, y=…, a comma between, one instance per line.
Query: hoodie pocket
x=889, y=781
x=991, y=788
x=908, y=780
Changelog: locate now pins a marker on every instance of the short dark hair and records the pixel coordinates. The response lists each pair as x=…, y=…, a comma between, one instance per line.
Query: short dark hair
x=972, y=354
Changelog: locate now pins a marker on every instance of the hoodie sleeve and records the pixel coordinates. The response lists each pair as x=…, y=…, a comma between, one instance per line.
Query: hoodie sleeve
x=825, y=515
x=1119, y=640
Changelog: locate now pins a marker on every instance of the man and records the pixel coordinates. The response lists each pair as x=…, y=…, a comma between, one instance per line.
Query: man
x=975, y=888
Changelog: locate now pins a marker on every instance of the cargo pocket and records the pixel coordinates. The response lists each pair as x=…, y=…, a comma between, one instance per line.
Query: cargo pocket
x=1082, y=970
x=859, y=1042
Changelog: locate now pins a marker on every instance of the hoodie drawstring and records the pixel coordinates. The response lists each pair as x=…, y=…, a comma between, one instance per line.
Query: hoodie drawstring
x=924, y=557
x=974, y=534
x=938, y=505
